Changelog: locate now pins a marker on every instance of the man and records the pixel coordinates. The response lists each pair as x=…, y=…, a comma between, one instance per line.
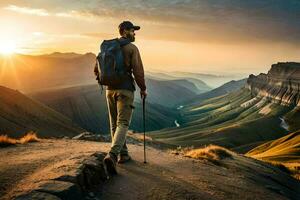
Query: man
x=120, y=98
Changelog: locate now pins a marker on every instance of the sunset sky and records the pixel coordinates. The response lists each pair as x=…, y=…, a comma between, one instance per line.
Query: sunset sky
x=211, y=36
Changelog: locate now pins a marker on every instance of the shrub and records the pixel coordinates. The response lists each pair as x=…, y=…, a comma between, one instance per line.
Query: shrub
x=29, y=137
x=211, y=153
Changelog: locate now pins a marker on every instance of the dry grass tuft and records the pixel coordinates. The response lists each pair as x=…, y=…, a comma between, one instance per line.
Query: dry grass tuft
x=29, y=137
x=181, y=150
x=138, y=136
x=212, y=153
x=295, y=171
x=7, y=141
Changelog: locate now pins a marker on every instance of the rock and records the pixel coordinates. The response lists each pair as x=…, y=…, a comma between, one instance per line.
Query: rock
x=61, y=189
x=89, y=173
x=92, y=137
x=280, y=85
x=69, y=178
x=35, y=195
x=92, y=172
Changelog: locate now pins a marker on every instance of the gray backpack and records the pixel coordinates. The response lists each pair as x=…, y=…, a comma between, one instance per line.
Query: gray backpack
x=111, y=68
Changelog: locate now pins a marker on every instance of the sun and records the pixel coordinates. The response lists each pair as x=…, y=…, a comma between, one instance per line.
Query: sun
x=7, y=47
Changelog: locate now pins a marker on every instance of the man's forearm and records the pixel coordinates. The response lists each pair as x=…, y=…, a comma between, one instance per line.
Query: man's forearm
x=140, y=81
x=138, y=70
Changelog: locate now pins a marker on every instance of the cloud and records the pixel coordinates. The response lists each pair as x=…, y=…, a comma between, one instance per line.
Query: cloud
x=27, y=10
x=187, y=20
x=46, y=13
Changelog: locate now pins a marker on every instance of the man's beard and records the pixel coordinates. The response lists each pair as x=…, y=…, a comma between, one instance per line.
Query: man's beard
x=130, y=37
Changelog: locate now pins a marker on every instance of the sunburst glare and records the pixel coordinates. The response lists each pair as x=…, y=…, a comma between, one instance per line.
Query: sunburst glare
x=8, y=47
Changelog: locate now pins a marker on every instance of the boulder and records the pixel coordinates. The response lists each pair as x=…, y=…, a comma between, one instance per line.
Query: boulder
x=92, y=172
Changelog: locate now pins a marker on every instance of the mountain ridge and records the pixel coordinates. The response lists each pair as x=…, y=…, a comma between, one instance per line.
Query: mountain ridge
x=281, y=84
x=20, y=114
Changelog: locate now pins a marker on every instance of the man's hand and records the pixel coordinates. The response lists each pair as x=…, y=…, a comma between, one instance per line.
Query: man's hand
x=143, y=94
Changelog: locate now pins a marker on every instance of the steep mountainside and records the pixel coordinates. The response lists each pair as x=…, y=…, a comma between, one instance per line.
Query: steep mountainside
x=20, y=114
x=241, y=119
x=87, y=107
x=223, y=89
x=281, y=84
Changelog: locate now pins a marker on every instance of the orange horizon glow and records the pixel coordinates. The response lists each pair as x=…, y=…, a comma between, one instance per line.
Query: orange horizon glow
x=198, y=46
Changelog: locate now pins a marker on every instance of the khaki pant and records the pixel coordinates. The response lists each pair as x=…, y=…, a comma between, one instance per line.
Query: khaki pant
x=120, y=108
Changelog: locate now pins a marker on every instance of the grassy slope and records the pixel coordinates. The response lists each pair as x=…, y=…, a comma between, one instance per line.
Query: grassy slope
x=223, y=121
x=285, y=151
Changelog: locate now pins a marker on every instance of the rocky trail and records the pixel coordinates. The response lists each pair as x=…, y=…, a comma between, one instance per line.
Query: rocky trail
x=166, y=176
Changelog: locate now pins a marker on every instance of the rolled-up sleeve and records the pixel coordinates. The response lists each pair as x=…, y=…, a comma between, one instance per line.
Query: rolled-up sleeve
x=138, y=69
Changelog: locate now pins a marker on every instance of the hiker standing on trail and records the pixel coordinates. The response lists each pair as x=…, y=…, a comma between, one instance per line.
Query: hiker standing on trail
x=124, y=57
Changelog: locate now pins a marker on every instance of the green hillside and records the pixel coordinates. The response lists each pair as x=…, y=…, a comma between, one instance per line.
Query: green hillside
x=234, y=120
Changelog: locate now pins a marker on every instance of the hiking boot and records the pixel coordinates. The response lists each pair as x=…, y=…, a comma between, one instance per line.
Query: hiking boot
x=124, y=158
x=110, y=161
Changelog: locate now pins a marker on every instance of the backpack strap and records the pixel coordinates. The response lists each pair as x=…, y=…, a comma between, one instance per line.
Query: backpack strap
x=98, y=78
x=123, y=41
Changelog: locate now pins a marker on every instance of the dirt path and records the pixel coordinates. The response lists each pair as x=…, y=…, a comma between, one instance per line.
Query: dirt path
x=165, y=176
x=23, y=166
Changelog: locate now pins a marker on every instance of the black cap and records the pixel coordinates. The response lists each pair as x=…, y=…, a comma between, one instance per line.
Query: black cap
x=128, y=25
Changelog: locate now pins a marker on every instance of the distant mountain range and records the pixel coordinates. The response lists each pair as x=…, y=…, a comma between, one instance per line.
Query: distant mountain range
x=36, y=73
x=199, y=85
x=210, y=80
x=29, y=73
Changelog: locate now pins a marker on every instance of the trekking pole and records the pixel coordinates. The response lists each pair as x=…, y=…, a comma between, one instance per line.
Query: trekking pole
x=144, y=130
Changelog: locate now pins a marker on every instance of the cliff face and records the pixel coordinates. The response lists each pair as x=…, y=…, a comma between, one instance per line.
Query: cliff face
x=280, y=85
